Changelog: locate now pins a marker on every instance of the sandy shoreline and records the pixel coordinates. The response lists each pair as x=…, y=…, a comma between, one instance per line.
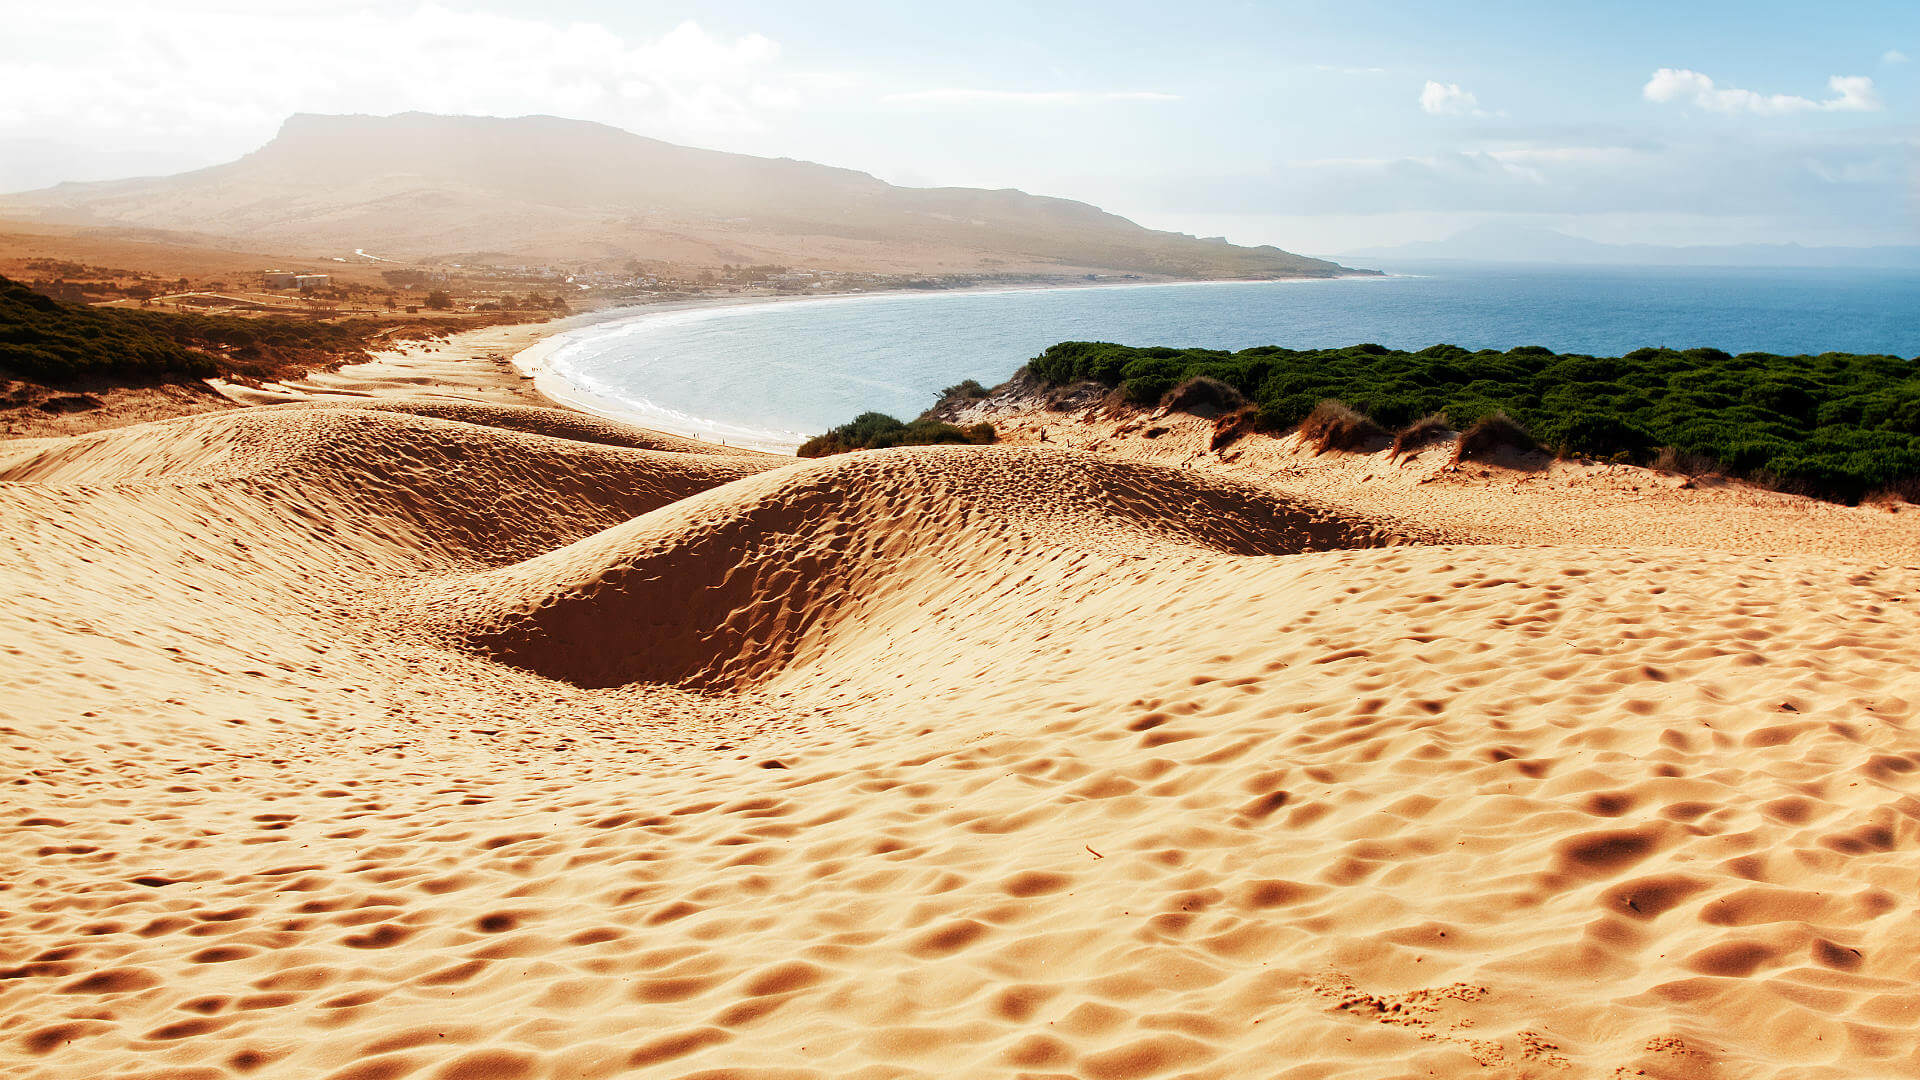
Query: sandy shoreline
x=494, y=365
x=469, y=365
x=508, y=363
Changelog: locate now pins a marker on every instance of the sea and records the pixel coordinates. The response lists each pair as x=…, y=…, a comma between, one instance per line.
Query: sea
x=769, y=375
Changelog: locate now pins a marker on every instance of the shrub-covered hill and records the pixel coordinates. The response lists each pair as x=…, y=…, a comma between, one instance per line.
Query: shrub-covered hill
x=51, y=341
x=45, y=339
x=1837, y=425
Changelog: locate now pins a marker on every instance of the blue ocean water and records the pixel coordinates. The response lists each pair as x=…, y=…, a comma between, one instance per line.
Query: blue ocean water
x=770, y=374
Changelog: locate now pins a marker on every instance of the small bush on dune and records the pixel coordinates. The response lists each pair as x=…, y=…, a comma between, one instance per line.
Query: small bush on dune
x=1597, y=434
x=1203, y=396
x=1492, y=433
x=1147, y=381
x=964, y=390
x=877, y=431
x=1332, y=425
x=1430, y=428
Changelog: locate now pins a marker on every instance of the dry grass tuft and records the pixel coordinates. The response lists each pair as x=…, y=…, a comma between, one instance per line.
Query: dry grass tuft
x=1904, y=490
x=1333, y=426
x=1203, y=396
x=1673, y=460
x=1492, y=433
x=1428, y=429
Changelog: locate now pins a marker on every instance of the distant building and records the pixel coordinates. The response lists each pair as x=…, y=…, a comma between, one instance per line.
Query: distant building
x=279, y=279
x=303, y=282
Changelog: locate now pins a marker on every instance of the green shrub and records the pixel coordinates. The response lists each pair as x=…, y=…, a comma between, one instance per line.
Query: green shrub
x=1491, y=433
x=877, y=431
x=45, y=339
x=1836, y=425
x=1598, y=434
x=1147, y=380
x=52, y=341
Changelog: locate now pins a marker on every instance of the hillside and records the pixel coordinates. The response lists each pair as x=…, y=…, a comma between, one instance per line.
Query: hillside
x=417, y=185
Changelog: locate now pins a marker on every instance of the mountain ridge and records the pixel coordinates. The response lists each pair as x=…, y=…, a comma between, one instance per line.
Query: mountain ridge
x=422, y=185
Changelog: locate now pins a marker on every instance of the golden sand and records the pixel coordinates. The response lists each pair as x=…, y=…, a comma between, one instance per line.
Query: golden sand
x=478, y=741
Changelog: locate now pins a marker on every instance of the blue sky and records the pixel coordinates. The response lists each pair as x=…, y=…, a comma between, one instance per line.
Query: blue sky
x=1316, y=126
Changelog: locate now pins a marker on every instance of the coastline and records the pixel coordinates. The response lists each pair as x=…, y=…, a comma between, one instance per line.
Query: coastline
x=508, y=363
x=533, y=361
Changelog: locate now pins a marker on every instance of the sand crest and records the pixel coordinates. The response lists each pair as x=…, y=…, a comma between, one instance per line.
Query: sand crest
x=409, y=742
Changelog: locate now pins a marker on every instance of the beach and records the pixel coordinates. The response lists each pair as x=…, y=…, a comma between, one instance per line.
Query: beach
x=774, y=374
x=410, y=727
x=470, y=365
x=508, y=364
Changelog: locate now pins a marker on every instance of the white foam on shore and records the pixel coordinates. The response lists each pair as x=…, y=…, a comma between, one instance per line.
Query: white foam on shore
x=602, y=401
x=591, y=396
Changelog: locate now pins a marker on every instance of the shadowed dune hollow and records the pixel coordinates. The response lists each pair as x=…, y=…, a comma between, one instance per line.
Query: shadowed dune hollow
x=446, y=742
x=721, y=589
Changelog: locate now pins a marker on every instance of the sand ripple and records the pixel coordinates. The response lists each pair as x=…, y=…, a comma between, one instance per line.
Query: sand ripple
x=376, y=744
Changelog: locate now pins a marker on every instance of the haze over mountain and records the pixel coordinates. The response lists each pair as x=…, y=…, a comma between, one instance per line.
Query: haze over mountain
x=419, y=186
x=1499, y=242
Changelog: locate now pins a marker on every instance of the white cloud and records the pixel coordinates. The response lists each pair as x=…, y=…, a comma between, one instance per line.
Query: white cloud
x=1447, y=99
x=1851, y=93
x=962, y=96
x=228, y=73
x=1893, y=56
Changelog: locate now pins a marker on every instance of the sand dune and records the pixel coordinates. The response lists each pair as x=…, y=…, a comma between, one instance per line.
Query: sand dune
x=721, y=589
x=1531, y=499
x=535, y=420
x=329, y=761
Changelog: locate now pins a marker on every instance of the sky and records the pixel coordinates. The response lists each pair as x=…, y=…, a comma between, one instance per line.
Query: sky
x=1320, y=127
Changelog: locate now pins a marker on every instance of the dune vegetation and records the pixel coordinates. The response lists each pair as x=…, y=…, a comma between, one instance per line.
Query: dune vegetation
x=1836, y=425
x=53, y=341
x=877, y=431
